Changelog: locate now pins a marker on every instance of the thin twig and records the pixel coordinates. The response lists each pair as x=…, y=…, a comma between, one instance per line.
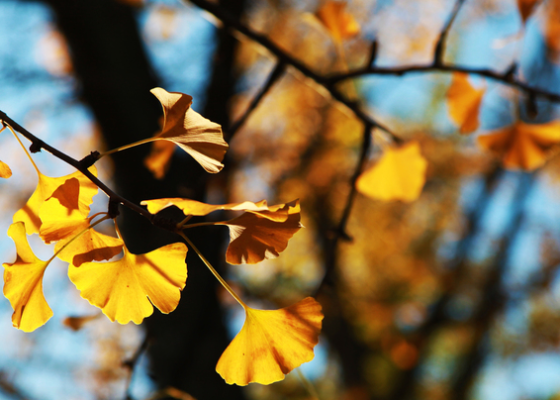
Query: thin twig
x=440, y=46
x=132, y=362
x=276, y=73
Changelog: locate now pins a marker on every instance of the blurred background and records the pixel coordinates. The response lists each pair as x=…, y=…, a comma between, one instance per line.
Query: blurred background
x=453, y=296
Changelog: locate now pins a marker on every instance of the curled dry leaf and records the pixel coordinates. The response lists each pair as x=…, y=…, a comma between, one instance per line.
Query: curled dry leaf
x=5, y=171
x=399, y=174
x=198, y=136
x=464, y=103
x=23, y=284
x=77, y=323
x=258, y=236
x=126, y=289
x=272, y=343
x=76, y=197
x=522, y=145
x=340, y=24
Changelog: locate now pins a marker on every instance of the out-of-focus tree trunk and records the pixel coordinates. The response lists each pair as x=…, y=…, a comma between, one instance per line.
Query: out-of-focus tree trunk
x=114, y=78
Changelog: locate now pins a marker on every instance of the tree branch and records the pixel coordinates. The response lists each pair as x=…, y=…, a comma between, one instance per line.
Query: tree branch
x=440, y=46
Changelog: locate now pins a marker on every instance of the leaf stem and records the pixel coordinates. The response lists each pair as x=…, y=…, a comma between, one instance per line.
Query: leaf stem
x=23, y=147
x=106, y=217
x=202, y=224
x=214, y=272
x=128, y=146
x=308, y=385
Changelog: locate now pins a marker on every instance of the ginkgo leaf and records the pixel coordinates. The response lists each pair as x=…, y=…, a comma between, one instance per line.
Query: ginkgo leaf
x=340, y=24
x=255, y=237
x=464, y=103
x=5, y=171
x=272, y=343
x=522, y=145
x=399, y=174
x=75, y=194
x=196, y=208
x=159, y=159
x=126, y=289
x=198, y=136
x=23, y=284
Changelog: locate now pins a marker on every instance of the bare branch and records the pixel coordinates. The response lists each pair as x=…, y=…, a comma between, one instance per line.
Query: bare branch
x=440, y=46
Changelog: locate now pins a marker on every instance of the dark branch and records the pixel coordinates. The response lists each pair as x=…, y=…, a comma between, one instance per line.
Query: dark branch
x=440, y=46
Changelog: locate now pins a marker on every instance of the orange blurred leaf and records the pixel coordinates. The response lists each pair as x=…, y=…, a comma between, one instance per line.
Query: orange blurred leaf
x=198, y=136
x=464, y=103
x=399, y=174
x=526, y=8
x=258, y=236
x=340, y=24
x=159, y=159
x=126, y=289
x=5, y=171
x=77, y=323
x=272, y=343
x=522, y=145
x=75, y=196
x=23, y=284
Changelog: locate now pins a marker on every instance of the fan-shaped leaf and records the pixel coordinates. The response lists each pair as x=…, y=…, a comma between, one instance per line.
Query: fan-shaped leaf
x=198, y=136
x=23, y=284
x=464, y=103
x=340, y=24
x=272, y=343
x=5, y=171
x=399, y=174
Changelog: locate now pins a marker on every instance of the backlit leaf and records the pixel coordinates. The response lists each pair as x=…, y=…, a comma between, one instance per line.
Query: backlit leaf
x=522, y=145
x=5, y=171
x=464, y=103
x=399, y=174
x=23, y=284
x=338, y=22
x=255, y=237
x=196, y=208
x=75, y=195
x=272, y=343
x=198, y=136
x=126, y=289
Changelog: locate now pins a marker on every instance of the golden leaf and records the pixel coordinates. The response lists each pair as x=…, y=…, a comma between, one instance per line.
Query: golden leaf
x=464, y=103
x=23, y=284
x=77, y=195
x=522, y=145
x=399, y=174
x=5, y=171
x=198, y=136
x=196, y=208
x=340, y=24
x=272, y=343
x=258, y=236
x=121, y=288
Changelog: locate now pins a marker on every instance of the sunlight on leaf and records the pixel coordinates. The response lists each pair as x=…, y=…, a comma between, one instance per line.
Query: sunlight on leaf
x=198, y=136
x=399, y=174
x=258, y=236
x=522, y=145
x=126, y=289
x=23, y=284
x=74, y=190
x=272, y=343
x=340, y=24
x=5, y=171
x=464, y=101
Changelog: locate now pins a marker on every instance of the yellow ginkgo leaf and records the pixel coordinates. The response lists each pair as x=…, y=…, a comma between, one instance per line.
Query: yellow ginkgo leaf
x=522, y=145
x=272, y=343
x=196, y=208
x=198, y=136
x=464, y=103
x=399, y=174
x=23, y=284
x=5, y=171
x=258, y=236
x=75, y=193
x=159, y=159
x=126, y=289
x=340, y=24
